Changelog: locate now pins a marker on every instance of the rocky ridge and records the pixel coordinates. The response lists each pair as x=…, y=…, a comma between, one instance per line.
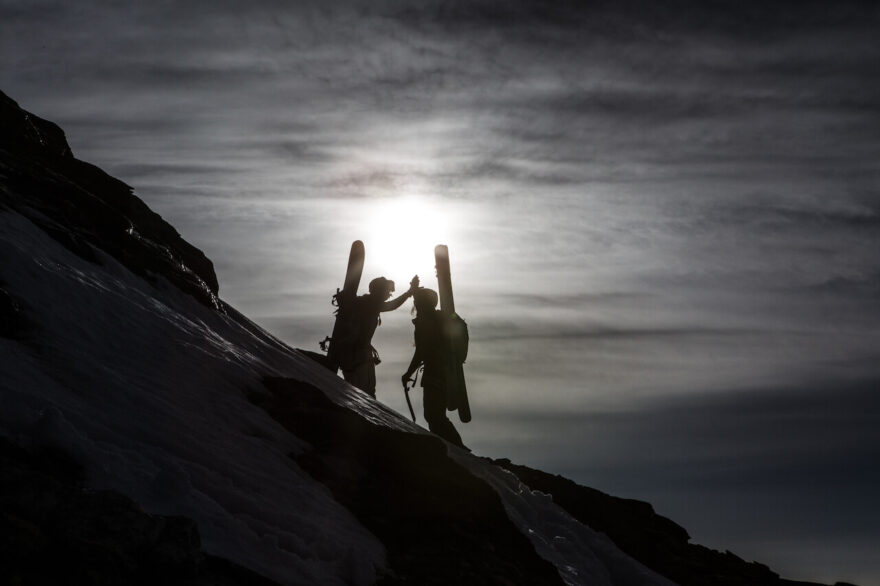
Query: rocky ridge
x=81, y=206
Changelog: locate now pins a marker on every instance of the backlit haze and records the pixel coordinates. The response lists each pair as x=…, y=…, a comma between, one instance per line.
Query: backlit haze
x=663, y=222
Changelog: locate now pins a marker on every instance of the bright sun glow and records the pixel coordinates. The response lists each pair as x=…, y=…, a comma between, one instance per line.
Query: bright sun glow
x=401, y=235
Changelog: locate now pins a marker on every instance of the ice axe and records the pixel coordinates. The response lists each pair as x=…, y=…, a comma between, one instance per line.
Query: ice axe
x=406, y=393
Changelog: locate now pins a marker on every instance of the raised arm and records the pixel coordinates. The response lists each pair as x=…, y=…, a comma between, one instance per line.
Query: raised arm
x=397, y=302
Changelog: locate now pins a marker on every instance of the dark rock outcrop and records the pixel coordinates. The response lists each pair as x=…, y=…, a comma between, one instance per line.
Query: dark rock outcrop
x=438, y=522
x=53, y=531
x=657, y=542
x=85, y=209
x=28, y=132
x=12, y=321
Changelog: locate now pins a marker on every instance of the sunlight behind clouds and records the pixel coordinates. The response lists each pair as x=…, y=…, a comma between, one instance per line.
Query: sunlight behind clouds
x=401, y=235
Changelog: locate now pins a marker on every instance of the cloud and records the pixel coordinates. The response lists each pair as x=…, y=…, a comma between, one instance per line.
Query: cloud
x=861, y=287
x=511, y=332
x=788, y=464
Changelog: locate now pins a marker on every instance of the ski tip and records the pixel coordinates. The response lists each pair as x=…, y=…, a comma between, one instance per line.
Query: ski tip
x=441, y=248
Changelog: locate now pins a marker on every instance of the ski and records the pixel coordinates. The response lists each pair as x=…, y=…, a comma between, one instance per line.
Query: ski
x=345, y=329
x=456, y=389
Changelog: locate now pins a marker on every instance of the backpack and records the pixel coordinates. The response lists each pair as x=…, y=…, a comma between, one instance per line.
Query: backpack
x=455, y=332
x=342, y=347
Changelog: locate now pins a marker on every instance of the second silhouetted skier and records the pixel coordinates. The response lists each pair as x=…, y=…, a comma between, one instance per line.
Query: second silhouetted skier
x=431, y=352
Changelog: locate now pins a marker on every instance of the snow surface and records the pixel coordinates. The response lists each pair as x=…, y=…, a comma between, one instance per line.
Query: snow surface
x=148, y=388
x=580, y=554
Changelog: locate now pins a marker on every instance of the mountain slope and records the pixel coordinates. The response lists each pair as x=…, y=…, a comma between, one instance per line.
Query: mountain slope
x=55, y=531
x=116, y=349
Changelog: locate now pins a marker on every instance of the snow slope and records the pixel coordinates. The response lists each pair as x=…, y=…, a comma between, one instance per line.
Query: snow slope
x=146, y=387
x=149, y=388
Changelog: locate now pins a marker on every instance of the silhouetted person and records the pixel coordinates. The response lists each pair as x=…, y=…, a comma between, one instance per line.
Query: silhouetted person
x=362, y=373
x=431, y=351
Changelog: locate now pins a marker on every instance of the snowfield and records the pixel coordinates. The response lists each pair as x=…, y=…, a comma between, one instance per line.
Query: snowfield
x=149, y=389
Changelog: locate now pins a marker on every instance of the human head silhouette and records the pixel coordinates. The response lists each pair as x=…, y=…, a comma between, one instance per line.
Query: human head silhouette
x=381, y=287
x=425, y=299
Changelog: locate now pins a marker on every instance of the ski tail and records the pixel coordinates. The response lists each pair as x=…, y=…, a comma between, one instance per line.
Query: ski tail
x=337, y=345
x=456, y=392
x=444, y=279
x=355, y=269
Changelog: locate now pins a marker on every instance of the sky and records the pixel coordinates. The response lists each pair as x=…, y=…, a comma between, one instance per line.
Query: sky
x=663, y=221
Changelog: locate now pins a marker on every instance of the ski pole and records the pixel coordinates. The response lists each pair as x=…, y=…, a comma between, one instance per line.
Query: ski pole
x=412, y=380
x=408, y=404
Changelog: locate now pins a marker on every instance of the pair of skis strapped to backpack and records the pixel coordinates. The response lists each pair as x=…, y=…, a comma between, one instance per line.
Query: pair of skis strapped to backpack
x=455, y=337
x=337, y=344
x=455, y=328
